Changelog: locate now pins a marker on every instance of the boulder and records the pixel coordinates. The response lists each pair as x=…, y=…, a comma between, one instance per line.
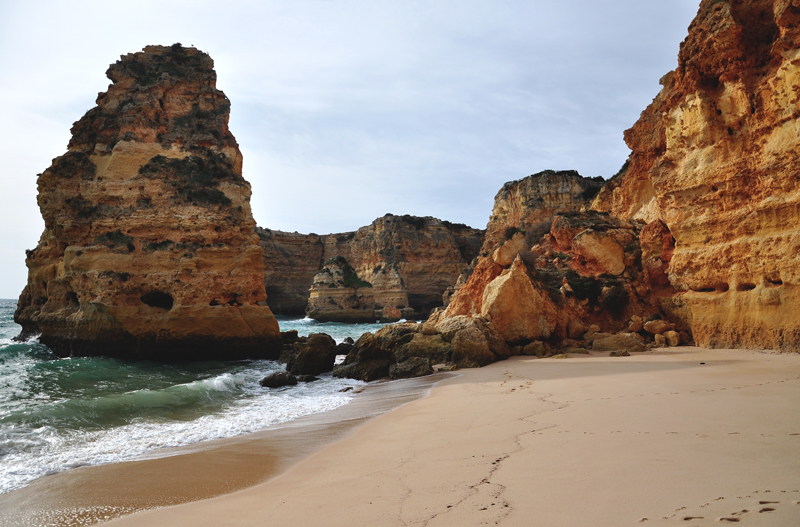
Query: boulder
x=576, y=329
x=471, y=349
x=661, y=341
x=517, y=309
x=620, y=353
x=672, y=337
x=313, y=357
x=289, y=337
x=535, y=348
x=601, y=250
x=506, y=253
x=449, y=326
x=367, y=361
x=413, y=367
x=389, y=314
x=628, y=342
x=657, y=327
x=432, y=347
x=278, y=380
x=635, y=326
x=395, y=335
x=591, y=337
x=343, y=348
x=307, y=378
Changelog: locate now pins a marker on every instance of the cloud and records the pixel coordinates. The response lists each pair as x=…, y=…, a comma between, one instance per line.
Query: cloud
x=346, y=110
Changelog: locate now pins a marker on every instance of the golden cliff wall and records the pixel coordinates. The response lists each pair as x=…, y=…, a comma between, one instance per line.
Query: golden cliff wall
x=409, y=261
x=716, y=157
x=148, y=249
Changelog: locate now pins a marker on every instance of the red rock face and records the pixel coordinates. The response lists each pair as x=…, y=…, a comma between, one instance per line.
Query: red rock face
x=148, y=248
x=714, y=159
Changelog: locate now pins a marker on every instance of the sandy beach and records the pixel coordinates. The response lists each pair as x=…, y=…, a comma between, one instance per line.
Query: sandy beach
x=683, y=436
x=679, y=436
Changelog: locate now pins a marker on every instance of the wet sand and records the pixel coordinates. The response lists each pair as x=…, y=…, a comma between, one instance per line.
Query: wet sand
x=685, y=436
x=89, y=495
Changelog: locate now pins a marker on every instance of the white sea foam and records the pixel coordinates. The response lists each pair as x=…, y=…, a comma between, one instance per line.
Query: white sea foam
x=57, y=414
x=47, y=450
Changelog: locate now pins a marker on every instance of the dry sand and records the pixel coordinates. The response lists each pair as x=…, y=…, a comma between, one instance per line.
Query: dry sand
x=656, y=438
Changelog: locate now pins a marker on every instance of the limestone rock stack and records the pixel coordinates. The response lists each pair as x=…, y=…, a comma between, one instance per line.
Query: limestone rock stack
x=715, y=172
x=148, y=249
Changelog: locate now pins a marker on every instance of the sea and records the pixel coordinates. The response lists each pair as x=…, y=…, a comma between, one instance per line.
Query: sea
x=57, y=413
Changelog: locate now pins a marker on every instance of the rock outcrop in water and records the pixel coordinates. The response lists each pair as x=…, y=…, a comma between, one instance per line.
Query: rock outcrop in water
x=409, y=261
x=714, y=170
x=148, y=249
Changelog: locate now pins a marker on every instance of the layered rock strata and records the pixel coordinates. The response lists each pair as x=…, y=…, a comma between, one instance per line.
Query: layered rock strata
x=714, y=168
x=549, y=273
x=148, y=249
x=339, y=295
x=409, y=261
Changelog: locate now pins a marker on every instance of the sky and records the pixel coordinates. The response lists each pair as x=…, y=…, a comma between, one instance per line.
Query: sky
x=347, y=110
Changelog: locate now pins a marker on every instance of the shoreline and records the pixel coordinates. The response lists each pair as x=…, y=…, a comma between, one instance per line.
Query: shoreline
x=168, y=477
x=684, y=436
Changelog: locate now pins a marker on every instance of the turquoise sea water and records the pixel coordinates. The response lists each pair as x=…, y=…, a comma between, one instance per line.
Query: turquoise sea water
x=56, y=413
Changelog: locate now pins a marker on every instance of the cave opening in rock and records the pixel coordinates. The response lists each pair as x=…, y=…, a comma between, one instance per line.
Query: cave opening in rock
x=745, y=287
x=72, y=297
x=158, y=299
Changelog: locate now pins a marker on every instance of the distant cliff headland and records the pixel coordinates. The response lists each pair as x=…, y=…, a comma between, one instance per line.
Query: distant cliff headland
x=150, y=245
x=402, y=266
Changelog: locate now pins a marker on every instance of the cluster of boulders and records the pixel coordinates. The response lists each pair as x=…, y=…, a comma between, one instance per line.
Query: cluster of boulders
x=411, y=349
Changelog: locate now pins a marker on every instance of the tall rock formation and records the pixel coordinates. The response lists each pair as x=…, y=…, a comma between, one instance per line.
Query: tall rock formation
x=148, y=249
x=523, y=212
x=715, y=166
x=409, y=261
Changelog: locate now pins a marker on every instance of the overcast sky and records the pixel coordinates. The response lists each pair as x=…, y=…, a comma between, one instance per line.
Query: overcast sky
x=346, y=110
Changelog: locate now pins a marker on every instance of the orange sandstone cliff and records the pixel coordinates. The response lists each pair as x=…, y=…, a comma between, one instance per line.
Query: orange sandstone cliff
x=715, y=165
x=406, y=261
x=148, y=249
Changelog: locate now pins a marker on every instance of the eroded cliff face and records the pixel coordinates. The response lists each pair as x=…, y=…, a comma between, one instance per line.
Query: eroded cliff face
x=550, y=275
x=148, y=249
x=527, y=207
x=409, y=261
x=715, y=159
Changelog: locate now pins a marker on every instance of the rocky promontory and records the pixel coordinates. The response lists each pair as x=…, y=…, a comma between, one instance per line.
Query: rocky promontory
x=408, y=262
x=148, y=249
x=714, y=166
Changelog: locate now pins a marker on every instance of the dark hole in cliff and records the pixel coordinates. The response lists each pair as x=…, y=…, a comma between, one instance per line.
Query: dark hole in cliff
x=714, y=189
x=158, y=299
x=214, y=303
x=72, y=296
x=774, y=282
x=730, y=131
x=722, y=288
x=745, y=287
x=719, y=112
